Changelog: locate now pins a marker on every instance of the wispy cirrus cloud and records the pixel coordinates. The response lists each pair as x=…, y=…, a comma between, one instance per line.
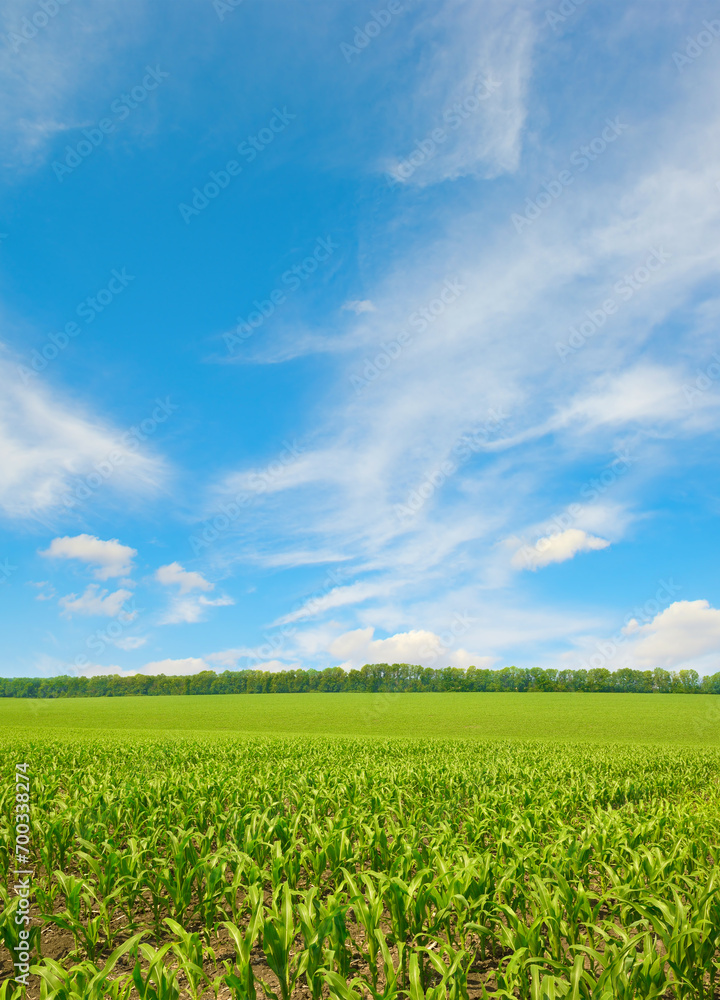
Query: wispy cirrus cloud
x=477, y=110
x=467, y=114
x=47, y=67
x=359, y=306
x=495, y=349
x=46, y=443
x=337, y=597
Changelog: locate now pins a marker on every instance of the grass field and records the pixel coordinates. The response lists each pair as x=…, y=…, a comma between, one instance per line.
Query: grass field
x=517, y=846
x=603, y=718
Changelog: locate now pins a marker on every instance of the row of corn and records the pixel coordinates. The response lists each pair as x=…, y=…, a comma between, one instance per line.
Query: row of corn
x=249, y=868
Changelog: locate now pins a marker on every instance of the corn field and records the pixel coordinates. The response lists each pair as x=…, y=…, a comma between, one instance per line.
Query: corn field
x=351, y=869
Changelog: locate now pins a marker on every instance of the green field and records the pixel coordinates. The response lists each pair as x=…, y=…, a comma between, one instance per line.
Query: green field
x=350, y=868
x=357, y=847
x=602, y=718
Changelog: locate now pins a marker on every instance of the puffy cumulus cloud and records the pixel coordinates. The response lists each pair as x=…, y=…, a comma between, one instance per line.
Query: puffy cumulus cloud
x=97, y=602
x=557, y=548
x=417, y=646
x=95, y=670
x=189, y=610
x=176, y=575
x=273, y=666
x=189, y=665
x=110, y=557
x=683, y=632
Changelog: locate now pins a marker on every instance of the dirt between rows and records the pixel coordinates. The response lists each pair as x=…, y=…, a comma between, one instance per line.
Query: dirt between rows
x=59, y=945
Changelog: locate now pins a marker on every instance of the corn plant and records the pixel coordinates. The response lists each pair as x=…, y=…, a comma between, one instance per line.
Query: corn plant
x=156, y=982
x=279, y=932
x=85, y=981
x=189, y=951
x=368, y=869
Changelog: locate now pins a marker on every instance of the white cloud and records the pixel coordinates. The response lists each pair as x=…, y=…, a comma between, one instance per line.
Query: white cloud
x=189, y=610
x=97, y=602
x=557, y=548
x=302, y=557
x=48, y=594
x=418, y=646
x=335, y=598
x=189, y=665
x=228, y=658
x=495, y=348
x=95, y=670
x=274, y=666
x=682, y=633
x=47, y=445
x=358, y=306
x=644, y=393
x=175, y=575
x=474, y=90
x=42, y=75
x=111, y=557
x=130, y=642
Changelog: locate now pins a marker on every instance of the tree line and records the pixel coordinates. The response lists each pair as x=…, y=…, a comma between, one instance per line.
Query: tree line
x=383, y=677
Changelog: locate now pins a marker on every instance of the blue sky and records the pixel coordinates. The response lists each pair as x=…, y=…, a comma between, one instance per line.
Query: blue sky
x=336, y=334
